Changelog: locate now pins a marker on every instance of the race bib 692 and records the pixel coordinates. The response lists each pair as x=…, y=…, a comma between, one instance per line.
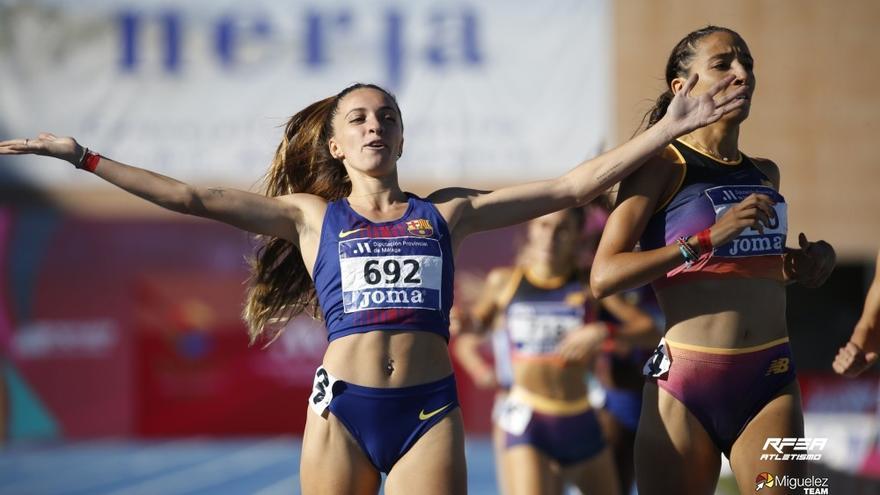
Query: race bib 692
x=390, y=272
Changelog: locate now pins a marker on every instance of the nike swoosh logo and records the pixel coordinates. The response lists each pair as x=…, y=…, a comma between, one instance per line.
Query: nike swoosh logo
x=345, y=233
x=423, y=415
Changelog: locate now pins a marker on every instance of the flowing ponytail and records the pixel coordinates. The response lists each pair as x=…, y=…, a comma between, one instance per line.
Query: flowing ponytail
x=279, y=287
x=679, y=65
x=660, y=105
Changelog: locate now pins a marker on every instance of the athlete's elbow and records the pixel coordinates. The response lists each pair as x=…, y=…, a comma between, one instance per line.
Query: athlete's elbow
x=600, y=283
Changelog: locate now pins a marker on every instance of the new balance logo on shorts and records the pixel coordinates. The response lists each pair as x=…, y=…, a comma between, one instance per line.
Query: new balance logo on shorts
x=777, y=366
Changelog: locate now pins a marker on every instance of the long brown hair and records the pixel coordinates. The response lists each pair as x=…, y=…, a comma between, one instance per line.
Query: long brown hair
x=279, y=287
x=678, y=65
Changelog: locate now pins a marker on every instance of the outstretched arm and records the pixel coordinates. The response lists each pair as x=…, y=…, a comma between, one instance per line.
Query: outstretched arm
x=469, y=211
x=279, y=217
x=861, y=352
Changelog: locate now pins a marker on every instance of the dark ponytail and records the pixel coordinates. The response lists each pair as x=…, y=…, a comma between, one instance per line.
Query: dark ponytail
x=660, y=106
x=678, y=65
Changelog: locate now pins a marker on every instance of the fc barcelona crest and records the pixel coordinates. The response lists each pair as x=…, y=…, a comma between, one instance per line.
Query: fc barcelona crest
x=420, y=227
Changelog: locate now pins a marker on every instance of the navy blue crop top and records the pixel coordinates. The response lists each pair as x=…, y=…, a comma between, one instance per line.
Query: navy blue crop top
x=395, y=275
x=541, y=313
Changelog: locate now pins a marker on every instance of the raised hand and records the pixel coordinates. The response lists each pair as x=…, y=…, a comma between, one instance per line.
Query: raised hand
x=686, y=112
x=64, y=148
x=811, y=264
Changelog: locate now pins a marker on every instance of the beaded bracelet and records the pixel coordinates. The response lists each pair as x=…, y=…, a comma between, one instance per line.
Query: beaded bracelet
x=690, y=257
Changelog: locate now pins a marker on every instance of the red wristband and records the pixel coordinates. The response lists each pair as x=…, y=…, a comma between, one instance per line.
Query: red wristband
x=611, y=328
x=608, y=346
x=705, y=241
x=89, y=161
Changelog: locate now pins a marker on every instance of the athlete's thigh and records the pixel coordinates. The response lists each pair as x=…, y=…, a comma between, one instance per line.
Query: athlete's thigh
x=621, y=441
x=435, y=464
x=781, y=417
x=499, y=438
x=332, y=462
x=673, y=452
x=595, y=476
x=531, y=472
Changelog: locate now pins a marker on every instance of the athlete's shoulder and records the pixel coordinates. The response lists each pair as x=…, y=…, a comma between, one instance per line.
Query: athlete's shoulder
x=307, y=209
x=452, y=194
x=668, y=156
x=502, y=284
x=769, y=168
x=666, y=163
x=499, y=277
x=304, y=201
x=659, y=178
x=452, y=202
x=452, y=197
x=422, y=202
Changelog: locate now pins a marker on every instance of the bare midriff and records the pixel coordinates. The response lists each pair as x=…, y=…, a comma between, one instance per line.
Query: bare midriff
x=550, y=378
x=389, y=359
x=734, y=313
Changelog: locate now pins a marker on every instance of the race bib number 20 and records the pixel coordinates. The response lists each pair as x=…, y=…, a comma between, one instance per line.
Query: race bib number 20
x=751, y=242
x=393, y=272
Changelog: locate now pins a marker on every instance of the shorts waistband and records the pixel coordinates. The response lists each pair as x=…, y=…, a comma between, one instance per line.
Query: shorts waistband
x=397, y=392
x=724, y=350
x=769, y=350
x=546, y=405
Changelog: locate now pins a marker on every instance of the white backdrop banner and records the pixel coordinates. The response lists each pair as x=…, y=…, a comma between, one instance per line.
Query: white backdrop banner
x=491, y=90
